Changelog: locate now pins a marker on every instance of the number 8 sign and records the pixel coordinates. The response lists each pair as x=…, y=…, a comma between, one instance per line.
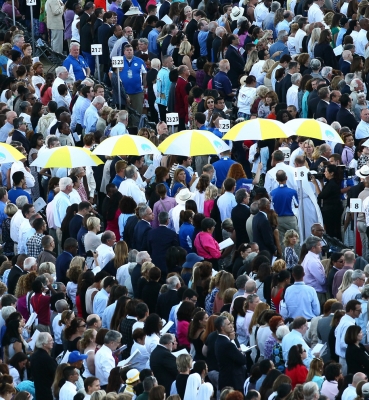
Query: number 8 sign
x=299, y=173
x=172, y=119
x=356, y=205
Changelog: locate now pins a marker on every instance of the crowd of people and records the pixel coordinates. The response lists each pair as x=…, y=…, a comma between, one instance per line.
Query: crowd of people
x=219, y=277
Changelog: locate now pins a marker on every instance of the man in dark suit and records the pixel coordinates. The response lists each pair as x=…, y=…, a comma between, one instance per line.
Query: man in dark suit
x=172, y=31
x=16, y=272
x=286, y=83
x=142, y=257
x=325, y=152
x=334, y=106
x=168, y=299
x=261, y=228
x=99, y=12
x=321, y=109
x=239, y=216
x=164, y=9
x=88, y=11
x=19, y=134
x=163, y=362
x=143, y=48
x=232, y=368
x=75, y=223
x=159, y=240
x=103, y=34
x=142, y=228
x=219, y=32
x=63, y=261
x=344, y=116
x=313, y=98
x=235, y=59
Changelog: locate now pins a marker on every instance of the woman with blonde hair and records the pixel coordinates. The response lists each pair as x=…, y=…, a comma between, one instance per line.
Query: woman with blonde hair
x=291, y=39
x=278, y=265
x=260, y=79
x=76, y=268
x=87, y=345
x=252, y=59
x=5, y=50
x=213, y=290
x=211, y=193
x=255, y=322
x=316, y=372
x=120, y=258
x=314, y=39
x=268, y=76
x=145, y=268
x=186, y=51
x=261, y=93
x=309, y=148
x=264, y=108
x=346, y=283
x=24, y=286
x=290, y=240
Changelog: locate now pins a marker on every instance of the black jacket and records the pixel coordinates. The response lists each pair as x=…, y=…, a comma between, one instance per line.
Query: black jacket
x=163, y=365
x=286, y=83
x=19, y=137
x=75, y=225
x=14, y=274
x=165, y=303
x=150, y=294
x=321, y=110
x=237, y=65
x=191, y=28
x=345, y=118
x=164, y=9
x=103, y=34
x=140, y=233
x=239, y=216
x=231, y=368
x=215, y=49
x=357, y=359
x=43, y=368
x=325, y=51
x=263, y=234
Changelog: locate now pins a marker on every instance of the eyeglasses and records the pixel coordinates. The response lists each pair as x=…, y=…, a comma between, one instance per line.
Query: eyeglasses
x=209, y=102
x=82, y=326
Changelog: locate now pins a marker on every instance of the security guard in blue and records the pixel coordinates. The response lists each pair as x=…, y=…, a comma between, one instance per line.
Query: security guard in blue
x=283, y=199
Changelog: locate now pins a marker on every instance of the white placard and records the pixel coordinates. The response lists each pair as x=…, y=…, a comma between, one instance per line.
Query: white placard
x=120, y=349
x=226, y=243
x=338, y=50
x=299, y=173
x=244, y=348
x=39, y=204
x=129, y=359
x=224, y=125
x=167, y=20
x=179, y=352
x=287, y=153
x=117, y=62
x=31, y=2
x=150, y=172
x=172, y=119
x=166, y=328
x=356, y=205
x=96, y=49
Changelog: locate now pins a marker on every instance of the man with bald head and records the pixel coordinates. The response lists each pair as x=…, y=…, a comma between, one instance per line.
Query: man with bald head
x=350, y=392
x=93, y=321
x=8, y=126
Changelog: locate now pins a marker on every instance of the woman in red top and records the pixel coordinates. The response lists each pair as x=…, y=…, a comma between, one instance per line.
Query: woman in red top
x=280, y=281
x=296, y=369
x=41, y=304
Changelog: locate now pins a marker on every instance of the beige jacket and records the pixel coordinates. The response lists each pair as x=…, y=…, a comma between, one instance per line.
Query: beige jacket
x=54, y=12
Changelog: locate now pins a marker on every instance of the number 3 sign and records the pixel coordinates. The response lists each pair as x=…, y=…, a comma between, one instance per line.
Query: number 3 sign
x=172, y=119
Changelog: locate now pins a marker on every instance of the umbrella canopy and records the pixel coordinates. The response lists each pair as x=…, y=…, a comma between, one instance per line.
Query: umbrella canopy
x=65, y=157
x=193, y=143
x=127, y=145
x=9, y=154
x=258, y=129
x=313, y=129
x=95, y=158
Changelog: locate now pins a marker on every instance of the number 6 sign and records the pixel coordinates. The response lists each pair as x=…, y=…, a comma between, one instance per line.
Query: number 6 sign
x=356, y=205
x=172, y=119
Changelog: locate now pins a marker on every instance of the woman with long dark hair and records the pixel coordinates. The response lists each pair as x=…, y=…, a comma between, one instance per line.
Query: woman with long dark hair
x=17, y=367
x=46, y=89
x=296, y=369
x=71, y=212
x=13, y=341
x=74, y=332
x=332, y=204
x=323, y=49
x=36, y=114
x=85, y=280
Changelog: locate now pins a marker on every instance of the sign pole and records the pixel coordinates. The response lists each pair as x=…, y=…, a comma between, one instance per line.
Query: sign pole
x=98, y=67
x=117, y=62
x=356, y=206
x=96, y=50
x=32, y=30
x=301, y=206
x=13, y=6
x=119, y=99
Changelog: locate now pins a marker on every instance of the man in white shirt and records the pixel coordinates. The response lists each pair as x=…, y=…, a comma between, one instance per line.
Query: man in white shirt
x=361, y=40
x=350, y=392
x=91, y=384
x=60, y=306
x=69, y=389
x=61, y=203
x=227, y=201
x=104, y=360
x=26, y=230
x=121, y=127
x=61, y=76
x=353, y=310
x=315, y=14
x=129, y=187
x=261, y=11
x=101, y=299
x=278, y=163
x=300, y=34
x=105, y=250
x=292, y=92
x=362, y=130
x=358, y=280
x=16, y=221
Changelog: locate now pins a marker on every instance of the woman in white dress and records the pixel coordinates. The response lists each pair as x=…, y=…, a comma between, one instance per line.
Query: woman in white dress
x=88, y=346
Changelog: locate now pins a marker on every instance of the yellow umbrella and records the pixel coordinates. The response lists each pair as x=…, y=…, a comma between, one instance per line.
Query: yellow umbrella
x=311, y=128
x=258, y=129
x=127, y=145
x=65, y=157
x=9, y=154
x=193, y=143
x=95, y=158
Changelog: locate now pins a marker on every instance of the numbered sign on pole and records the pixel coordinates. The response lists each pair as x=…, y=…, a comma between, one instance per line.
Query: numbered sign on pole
x=287, y=153
x=31, y=2
x=224, y=125
x=172, y=119
x=96, y=49
x=117, y=62
x=356, y=205
x=300, y=173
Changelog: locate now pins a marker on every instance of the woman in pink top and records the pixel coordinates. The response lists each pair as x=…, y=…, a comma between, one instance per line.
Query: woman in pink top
x=184, y=315
x=165, y=203
x=206, y=246
x=46, y=89
x=211, y=193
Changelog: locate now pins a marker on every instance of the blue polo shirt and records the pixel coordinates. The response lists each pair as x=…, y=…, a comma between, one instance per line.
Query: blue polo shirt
x=14, y=193
x=222, y=83
x=282, y=197
x=117, y=180
x=131, y=75
x=221, y=170
x=79, y=66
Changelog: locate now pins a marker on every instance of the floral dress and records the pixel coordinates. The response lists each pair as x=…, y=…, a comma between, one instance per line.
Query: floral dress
x=277, y=358
x=209, y=301
x=291, y=258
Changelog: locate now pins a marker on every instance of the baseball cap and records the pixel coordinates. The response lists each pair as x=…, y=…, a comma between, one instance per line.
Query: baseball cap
x=75, y=356
x=365, y=389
